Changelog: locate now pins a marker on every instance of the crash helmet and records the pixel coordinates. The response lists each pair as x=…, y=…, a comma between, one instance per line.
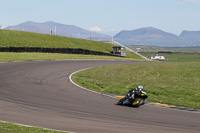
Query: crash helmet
x=139, y=87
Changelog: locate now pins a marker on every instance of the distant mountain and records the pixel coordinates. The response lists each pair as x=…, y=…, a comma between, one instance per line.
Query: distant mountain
x=190, y=34
x=145, y=32
x=152, y=37
x=191, y=38
x=61, y=29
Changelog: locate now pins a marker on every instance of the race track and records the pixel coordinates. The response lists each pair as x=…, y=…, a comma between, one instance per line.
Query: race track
x=40, y=94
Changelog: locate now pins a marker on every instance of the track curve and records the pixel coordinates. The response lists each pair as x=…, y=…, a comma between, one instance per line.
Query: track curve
x=40, y=94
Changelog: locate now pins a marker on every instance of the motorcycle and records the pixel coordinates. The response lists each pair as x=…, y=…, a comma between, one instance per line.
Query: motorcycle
x=138, y=100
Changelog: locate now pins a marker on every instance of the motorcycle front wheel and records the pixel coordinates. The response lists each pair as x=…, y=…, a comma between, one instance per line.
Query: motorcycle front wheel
x=138, y=102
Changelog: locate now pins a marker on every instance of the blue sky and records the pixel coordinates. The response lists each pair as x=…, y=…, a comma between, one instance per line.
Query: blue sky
x=106, y=16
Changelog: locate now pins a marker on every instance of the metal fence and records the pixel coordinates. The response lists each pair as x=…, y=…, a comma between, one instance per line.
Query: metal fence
x=52, y=31
x=53, y=50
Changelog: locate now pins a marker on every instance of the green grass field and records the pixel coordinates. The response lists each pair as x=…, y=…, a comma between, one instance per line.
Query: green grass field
x=169, y=83
x=13, y=128
x=171, y=49
x=177, y=57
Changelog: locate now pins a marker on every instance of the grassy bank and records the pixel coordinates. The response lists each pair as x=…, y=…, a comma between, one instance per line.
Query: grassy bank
x=27, y=39
x=13, y=128
x=170, y=83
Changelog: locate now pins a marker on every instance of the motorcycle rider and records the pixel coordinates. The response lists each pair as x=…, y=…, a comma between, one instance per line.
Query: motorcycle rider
x=130, y=96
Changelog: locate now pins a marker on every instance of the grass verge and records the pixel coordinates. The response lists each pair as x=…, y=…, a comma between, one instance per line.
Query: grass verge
x=11, y=56
x=170, y=83
x=13, y=128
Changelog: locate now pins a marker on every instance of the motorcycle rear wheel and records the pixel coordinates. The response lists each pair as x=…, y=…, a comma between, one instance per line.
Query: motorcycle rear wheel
x=120, y=102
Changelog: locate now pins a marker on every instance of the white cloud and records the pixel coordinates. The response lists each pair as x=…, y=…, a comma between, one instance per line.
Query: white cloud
x=96, y=29
x=110, y=32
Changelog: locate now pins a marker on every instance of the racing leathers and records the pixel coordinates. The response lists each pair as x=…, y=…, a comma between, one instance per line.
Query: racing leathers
x=130, y=96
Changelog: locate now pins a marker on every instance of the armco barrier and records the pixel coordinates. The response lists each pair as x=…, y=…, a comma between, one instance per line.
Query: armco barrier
x=53, y=50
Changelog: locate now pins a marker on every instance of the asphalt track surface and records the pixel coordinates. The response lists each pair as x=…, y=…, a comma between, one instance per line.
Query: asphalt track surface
x=40, y=94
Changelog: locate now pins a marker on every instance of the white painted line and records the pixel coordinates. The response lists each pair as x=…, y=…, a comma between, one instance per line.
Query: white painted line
x=38, y=127
x=70, y=77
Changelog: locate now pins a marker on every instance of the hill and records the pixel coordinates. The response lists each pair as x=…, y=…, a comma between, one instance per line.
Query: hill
x=145, y=32
x=190, y=34
x=59, y=29
x=27, y=39
x=154, y=37
x=192, y=38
